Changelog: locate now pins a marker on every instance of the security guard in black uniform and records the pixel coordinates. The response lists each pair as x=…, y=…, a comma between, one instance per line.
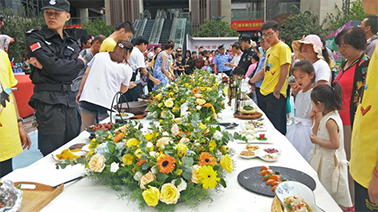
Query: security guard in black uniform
x=248, y=52
x=55, y=61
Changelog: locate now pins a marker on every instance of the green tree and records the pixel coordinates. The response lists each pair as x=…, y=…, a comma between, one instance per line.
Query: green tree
x=216, y=28
x=301, y=24
x=16, y=25
x=98, y=27
x=342, y=16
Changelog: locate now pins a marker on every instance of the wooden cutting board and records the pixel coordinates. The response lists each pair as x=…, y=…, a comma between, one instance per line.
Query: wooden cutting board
x=34, y=199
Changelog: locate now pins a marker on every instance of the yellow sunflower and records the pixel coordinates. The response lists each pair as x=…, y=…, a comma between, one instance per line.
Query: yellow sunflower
x=208, y=177
x=207, y=159
x=166, y=164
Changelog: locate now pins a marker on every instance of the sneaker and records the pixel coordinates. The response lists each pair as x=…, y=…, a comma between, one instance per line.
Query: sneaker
x=289, y=122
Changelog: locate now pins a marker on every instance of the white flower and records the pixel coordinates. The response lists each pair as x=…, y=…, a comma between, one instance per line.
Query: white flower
x=97, y=163
x=153, y=153
x=218, y=135
x=198, y=107
x=114, y=167
x=149, y=145
x=155, y=169
x=163, y=141
x=175, y=130
x=121, y=145
x=181, y=186
x=184, y=140
x=145, y=179
x=169, y=103
x=138, y=175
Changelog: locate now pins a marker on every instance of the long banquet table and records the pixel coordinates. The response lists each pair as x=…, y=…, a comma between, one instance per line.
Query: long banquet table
x=86, y=195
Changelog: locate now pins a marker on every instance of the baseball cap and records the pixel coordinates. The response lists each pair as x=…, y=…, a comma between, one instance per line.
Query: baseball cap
x=59, y=5
x=1, y=18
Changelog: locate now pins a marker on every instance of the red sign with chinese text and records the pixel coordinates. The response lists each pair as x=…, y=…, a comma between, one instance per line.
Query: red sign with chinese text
x=247, y=25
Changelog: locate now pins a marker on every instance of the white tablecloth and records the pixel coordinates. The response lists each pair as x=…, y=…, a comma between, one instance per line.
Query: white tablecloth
x=85, y=195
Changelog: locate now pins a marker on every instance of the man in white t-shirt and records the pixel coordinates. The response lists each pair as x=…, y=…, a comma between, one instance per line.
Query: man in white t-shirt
x=237, y=52
x=138, y=65
x=5, y=40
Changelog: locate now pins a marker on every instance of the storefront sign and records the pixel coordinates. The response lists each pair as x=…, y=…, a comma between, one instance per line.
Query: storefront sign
x=247, y=25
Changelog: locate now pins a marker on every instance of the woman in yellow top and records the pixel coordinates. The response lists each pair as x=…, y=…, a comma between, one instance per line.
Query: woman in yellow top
x=364, y=158
x=13, y=137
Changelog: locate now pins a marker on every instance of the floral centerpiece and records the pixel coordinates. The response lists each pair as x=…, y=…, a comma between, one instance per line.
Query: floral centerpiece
x=198, y=93
x=176, y=161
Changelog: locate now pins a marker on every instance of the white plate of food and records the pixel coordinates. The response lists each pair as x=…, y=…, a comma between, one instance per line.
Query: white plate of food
x=293, y=195
x=268, y=157
x=250, y=152
x=256, y=138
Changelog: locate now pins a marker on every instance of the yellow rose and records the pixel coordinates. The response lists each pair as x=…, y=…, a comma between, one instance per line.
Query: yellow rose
x=181, y=149
x=151, y=196
x=127, y=159
x=227, y=164
x=149, y=136
x=169, y=194
x=200, y=101
x=194, y=174
x=147, y=178
x=212, y=145
x=132, y=142
x=159, y=97
x=97, y=163
x=223, y=149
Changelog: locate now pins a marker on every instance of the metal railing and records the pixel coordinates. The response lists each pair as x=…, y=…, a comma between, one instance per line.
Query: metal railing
x=158, y=27
x=178, y=32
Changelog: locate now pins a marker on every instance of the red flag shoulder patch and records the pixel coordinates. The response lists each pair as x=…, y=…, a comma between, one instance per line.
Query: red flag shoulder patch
x=35, y=46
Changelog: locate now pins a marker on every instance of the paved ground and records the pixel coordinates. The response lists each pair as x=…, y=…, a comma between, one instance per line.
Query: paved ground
x=28, y=157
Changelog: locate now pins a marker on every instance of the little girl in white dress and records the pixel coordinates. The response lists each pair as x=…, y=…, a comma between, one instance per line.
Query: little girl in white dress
x=299, y=133
x=328, y=155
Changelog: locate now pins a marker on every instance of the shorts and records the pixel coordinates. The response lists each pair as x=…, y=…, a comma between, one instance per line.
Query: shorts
x=92, y=108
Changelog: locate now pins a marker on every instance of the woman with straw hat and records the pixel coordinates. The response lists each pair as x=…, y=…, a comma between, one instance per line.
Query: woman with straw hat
x=311, y=48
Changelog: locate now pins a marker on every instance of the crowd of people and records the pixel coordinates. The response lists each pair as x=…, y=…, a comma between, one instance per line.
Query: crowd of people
x=333, y=125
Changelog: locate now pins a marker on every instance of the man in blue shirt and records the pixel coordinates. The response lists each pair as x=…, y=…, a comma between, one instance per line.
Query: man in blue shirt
x=265, y=46
x=220, y=60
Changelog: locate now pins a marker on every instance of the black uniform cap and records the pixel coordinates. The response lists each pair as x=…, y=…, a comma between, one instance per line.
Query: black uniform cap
x=246, y=38
x=59, y=5
x=221, y=46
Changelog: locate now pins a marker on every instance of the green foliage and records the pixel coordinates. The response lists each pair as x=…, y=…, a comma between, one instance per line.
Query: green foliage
x=215, y=28
x=16, y=25
x=301, y=24
x=356, y=12
x=98, y=27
